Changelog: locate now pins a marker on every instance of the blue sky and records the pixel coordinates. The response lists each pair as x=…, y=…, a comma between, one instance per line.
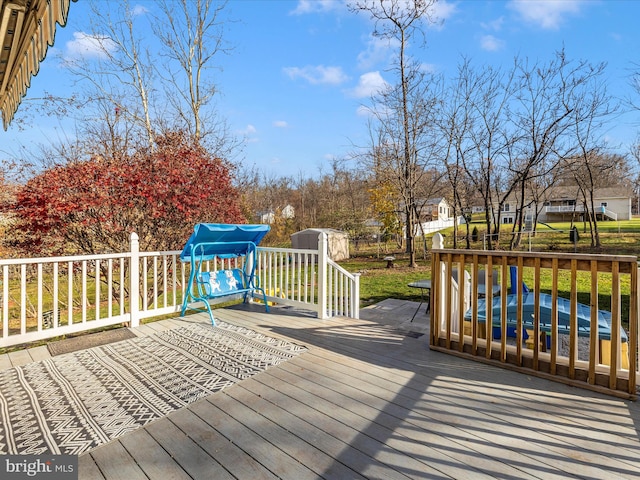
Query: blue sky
x=301, y=70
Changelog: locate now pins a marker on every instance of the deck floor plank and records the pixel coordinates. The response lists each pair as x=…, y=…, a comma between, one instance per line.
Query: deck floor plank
x=113, y=461
x=185, y=452
x=242, y=404
x=88, y=468
x=397, y=453
x=152, y=459
x=19, y=358
x=367, y=400
x=39, y=353
x=335, y=438
x=214, y=411
x=230, y=455
x=418, y=430
x=5, y=362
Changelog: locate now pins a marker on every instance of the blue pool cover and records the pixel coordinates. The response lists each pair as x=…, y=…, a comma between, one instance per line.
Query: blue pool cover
x=564, y=309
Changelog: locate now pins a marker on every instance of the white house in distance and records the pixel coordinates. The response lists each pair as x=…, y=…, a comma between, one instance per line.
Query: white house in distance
x=436, y=215
x=269, y=216
x=564, y=203
x=436, y=209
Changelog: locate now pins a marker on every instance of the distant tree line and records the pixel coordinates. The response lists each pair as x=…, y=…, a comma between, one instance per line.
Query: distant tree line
x=152, y=155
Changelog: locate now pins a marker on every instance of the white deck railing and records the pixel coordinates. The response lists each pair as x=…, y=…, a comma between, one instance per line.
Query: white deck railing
x=564, y=208
x=301, y=278
x=42, y=298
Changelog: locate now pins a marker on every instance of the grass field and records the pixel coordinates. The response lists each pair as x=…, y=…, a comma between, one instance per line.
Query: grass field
x=378, y=282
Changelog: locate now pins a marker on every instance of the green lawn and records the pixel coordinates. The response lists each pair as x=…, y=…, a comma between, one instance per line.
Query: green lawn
x=378, y=282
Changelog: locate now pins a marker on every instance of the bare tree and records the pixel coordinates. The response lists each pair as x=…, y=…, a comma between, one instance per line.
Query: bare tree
x=192, y=33
x=590, y=167
x=119, y=75
x=554, y=100
x=400, y=133
x=487, y=140
x=139, y=87
x=455, y=122
x=592, y=170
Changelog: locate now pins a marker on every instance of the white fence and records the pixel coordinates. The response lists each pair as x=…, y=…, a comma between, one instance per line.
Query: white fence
x=437, y=225
x=42, y=298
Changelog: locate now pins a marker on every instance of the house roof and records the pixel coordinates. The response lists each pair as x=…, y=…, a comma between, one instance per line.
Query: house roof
x=27, y=29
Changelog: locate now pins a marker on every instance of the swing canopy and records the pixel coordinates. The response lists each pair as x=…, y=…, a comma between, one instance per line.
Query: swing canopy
x=222, y=240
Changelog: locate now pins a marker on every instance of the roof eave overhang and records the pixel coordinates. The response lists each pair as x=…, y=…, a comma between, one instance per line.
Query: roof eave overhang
x=27, y=29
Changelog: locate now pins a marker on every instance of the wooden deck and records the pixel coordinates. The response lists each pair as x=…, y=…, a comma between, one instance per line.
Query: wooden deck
x=370, y=400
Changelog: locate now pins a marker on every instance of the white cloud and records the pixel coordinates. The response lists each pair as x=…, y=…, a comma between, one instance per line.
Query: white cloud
x=89, y=46
x=248, y=132
x=138, y=10
x=428, y=68
x=493, y=25
x=442, y=11
x=545, y=13
x=318, y=75
x=369, y=84
x=280, y=124
x=316, y=6
x=491, y=43
x=378, y=50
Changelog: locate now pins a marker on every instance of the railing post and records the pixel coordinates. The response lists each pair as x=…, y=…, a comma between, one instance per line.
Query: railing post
x=355, y=300
x=134, y=281
x=323, y=256
x=440, y=282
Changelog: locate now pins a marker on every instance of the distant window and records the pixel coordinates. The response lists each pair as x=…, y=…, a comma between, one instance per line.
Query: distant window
x=506, y=207
x=507, y=219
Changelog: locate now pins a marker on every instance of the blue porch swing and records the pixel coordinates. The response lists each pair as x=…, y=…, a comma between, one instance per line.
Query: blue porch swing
x=211, y=241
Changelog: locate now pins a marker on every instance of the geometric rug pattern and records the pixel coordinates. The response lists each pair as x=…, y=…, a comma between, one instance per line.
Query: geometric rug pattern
x=74, y=402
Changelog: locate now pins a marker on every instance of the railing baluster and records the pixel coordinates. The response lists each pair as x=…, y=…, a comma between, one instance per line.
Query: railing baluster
x=164, y=281
x=144, y=284
x=84, y=291
x=56, y=294
x=573, y=321
x=554, y=315
x=5, y=301
x=155, y=283
x=174, y=279
x=594, y=334
x=69, y=293
x=23, y=299
x=122, y=282
x=110, y=288
x=39, y=308
x=614, y=364
x=98, y=297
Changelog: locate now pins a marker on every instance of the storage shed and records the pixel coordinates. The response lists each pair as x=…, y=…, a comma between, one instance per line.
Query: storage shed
x=338, y=241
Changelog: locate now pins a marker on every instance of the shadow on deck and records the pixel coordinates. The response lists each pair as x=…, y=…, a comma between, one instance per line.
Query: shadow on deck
x=370, y=400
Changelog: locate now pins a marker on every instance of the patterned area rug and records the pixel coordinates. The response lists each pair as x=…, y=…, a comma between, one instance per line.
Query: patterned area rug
x=74, y=402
